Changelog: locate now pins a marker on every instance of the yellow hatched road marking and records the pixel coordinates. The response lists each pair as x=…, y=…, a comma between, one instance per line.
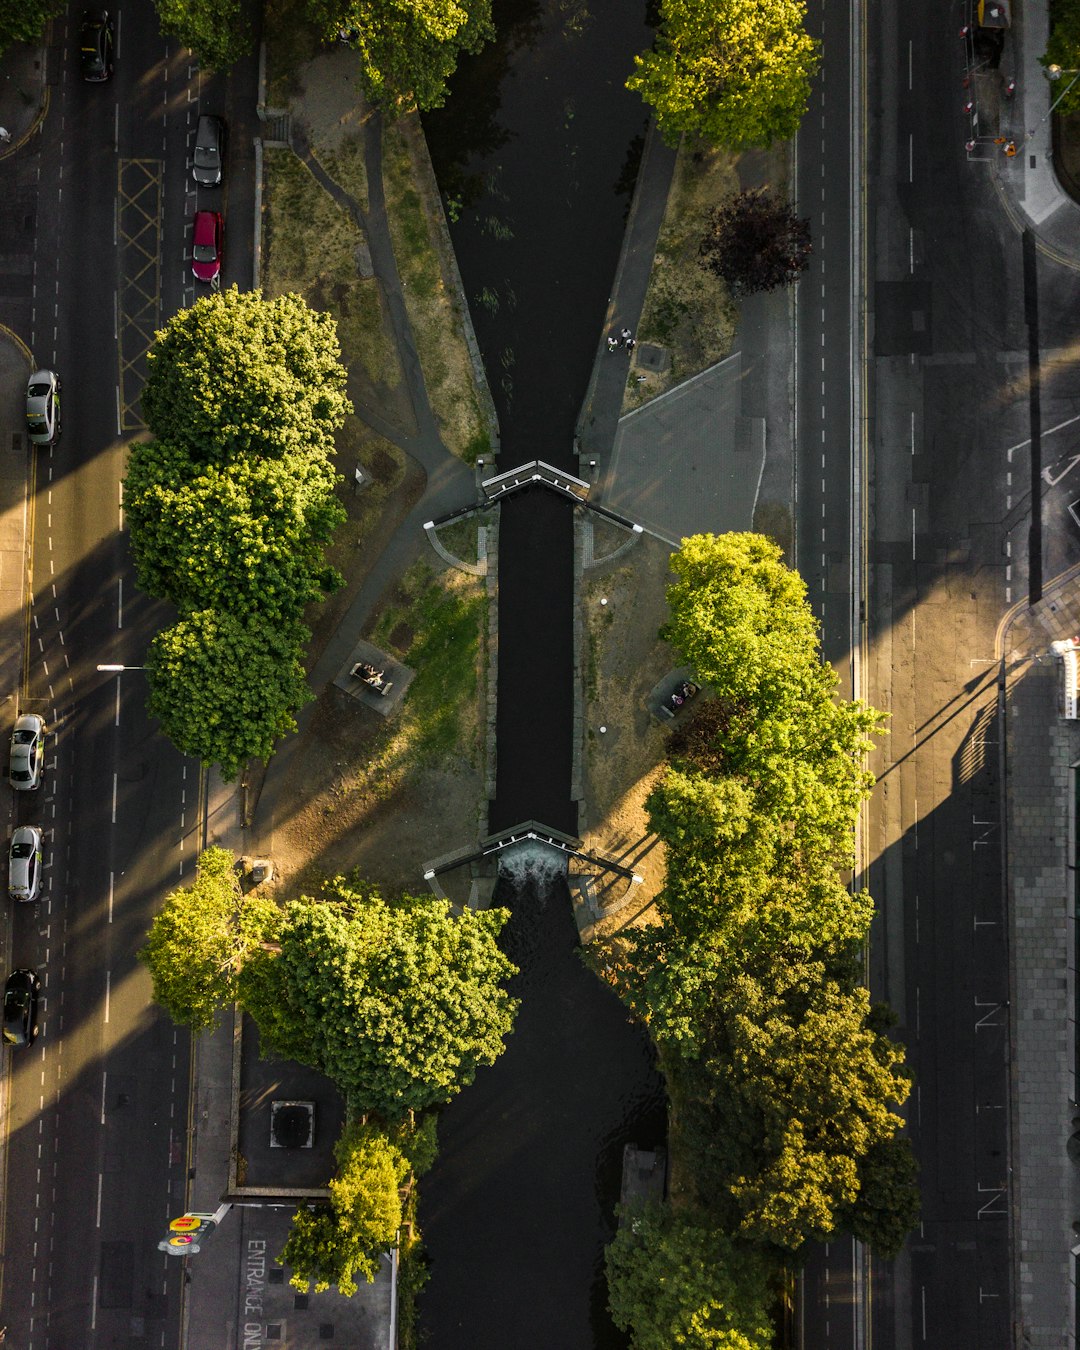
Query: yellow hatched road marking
x=138, y=220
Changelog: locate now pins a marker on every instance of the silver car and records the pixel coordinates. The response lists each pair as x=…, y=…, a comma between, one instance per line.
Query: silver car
x=27, y=752
x=43, y=407
x=24, y=863
x=209, y=159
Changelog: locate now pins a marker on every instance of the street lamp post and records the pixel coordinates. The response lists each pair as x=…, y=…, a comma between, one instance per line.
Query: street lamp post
x=1053, y=74
x=117, y=669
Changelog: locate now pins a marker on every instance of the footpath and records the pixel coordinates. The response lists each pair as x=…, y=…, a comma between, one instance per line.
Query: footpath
x=1039, y=749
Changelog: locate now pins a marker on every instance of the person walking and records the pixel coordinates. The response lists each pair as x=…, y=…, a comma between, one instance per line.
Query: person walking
x=612, y=343
x=626, y=336
x=5, y=135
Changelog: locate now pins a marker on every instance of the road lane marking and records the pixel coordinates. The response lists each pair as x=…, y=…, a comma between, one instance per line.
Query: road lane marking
x=99, y=1200
x=110, y=901
x=117, y=722
x=120, y=603
x=108, y=981
x=114, y=799
x=104, y=1075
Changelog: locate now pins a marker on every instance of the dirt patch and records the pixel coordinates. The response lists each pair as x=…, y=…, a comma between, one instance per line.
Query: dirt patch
x=624, y=660
x=311, y=248
x=386, y=795
x=773, y=519
x=687, y=311
x=432, y=297
x=381, y=795
x=326, y=93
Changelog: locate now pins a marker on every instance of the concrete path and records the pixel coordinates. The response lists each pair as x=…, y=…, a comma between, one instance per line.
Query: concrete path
x=689, y=462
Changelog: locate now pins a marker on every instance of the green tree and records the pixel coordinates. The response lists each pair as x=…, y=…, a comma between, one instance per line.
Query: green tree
x=741, y=619
x=744, y=878
x=225, y=688
x=755, y=243
x=331, y=1244
x=246, y=536
x=797, y=1087
x=200, y=939
x=734, y=72
x=238, y=374
x=675, y=1281
x=888, y=1205
x=398, y=1004
x=1063, y=51
x=215, y=30
x=408, y=48
x=25, y=20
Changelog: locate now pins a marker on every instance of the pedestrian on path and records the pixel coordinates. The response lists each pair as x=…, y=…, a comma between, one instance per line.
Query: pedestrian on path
x=626, y=336
x=612, y=343
x=631, y=343
x=5, y=135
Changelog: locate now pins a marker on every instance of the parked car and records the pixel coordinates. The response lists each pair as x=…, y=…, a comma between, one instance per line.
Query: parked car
x=27, y=752
x=24, y=863
x=207, y=237
x=21, y=1007
x=96, y=46
x=208, y=163
x=43, y=407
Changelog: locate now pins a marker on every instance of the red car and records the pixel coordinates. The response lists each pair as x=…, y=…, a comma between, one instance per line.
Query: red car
x=206, y=244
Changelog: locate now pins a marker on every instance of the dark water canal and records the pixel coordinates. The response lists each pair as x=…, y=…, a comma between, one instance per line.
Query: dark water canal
x=536, y=151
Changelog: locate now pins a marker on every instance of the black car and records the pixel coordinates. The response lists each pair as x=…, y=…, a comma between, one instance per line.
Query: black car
x=209, y=159
x=96, y=46
x=20, y=1007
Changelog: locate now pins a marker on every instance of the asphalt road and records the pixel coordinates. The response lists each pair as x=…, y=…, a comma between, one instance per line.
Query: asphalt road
x=95, y=1160
x=925, y=493
x=946, y=533
x=830, y=487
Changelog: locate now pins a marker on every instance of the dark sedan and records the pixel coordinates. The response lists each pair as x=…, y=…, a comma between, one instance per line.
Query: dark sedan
x=21, y=1007
x=96, y=46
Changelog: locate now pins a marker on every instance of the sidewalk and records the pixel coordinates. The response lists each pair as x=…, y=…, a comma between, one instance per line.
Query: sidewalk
x=1027, y=184
x=1040, y=787
x=1040, y=818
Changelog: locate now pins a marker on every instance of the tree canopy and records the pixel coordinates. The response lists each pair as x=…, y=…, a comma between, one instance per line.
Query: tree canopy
x=408, y=48
x=734, y=72
x=784, y=1083
x=1063, y=50
x=755, y=243
x=398, y=1003
x=246, y=537
x=673, y=1280
x=230, y=506
x=25, y=20
x=239, y=374
x=798, y=1086
x=200, y=939
x=331, y=1244
x=215, y=30
x=224, y=688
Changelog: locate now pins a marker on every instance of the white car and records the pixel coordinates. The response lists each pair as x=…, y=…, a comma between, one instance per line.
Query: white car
x=24, y=863
x=27, y=752
x=43, y=407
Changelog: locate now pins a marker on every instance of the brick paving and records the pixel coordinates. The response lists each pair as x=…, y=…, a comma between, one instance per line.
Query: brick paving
x=1041, y=750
